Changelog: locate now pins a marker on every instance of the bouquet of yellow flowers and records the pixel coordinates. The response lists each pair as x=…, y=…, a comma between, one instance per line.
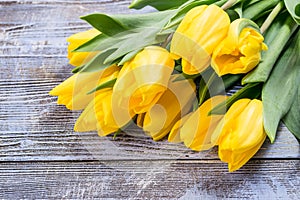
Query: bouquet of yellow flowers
x=171, y=72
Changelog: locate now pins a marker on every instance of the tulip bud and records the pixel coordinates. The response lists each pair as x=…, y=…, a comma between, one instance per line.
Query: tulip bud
x=76, y=40
x=200, y=31
x=240, y=51
x=143, y=80
x=73, y=92
x=241, y=134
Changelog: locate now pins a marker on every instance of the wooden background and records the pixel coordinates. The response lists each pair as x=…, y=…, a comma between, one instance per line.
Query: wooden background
x=41, y=156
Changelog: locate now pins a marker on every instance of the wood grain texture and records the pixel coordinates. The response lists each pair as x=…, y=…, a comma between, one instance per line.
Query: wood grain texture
x=149, y=180
x=42, y=157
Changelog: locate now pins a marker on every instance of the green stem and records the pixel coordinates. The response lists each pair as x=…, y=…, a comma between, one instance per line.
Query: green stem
x=229, y=4
x=254, y=11
x=124, y=127
x=271, y=17
x=203, y=92
x=117, y=133
x=167, y=41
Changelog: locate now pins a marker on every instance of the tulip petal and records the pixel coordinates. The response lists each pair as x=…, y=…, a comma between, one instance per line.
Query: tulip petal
x=176, y=102
x=240, y=51
x=242, y=133
x=80, y=58
x=143, y=80
x=73, y=92
x=197, y=130
x=87, y=121
x=174, y=135
x=197, y=36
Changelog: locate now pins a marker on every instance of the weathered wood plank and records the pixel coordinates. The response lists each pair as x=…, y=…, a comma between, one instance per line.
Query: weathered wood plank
x=35, y=133
x=33, y=127
x=40, y=28
x=149, y=180
x=33, y=61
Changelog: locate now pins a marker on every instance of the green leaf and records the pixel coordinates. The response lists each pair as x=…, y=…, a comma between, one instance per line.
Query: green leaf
x=132, y=21
x=128, y=56
x=251, y=91
x=220, y=85
x=77, y=69
x=220, y=3
x=211, y=84
x=230, y=80
x=233, y=14
x=102, y=43
x=292, y=118
x=93, y=44
x=124, y=45
x=239, y=10
x=104, y=23
x=268, y=21
x=204, y=86
x=255, y=10
x=139, y=38
x=158, y=4
x=279, y=91
x=111, y=25
x=276, y=37
x=97, y=63
x=293, y=6
x=250, y=2
x=107, y=84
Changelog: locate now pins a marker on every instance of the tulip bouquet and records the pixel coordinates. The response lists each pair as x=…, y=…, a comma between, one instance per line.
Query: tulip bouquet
x=171, y=72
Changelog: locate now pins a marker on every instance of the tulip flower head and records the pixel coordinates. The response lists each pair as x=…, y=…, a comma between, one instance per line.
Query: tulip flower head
x=73, y=92
x=241, y=134
x=144, y=79
x=76, y=40
x=240, y=51
x=99, y=115
x=197, y=36
x=106, y=123
x=196, y=131
x=176, y=102
x=174, y=135
x=87, y=121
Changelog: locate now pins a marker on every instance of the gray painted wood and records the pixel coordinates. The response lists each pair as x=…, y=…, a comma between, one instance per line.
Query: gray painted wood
x=42, y=157
x=194, y=179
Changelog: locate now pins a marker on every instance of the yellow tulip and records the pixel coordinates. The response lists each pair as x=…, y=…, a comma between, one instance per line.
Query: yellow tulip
x=173, y=104
x=241, y=134
x=106, y=123
x=200, y=31
x=144, y=79
x=75, y=40
x=174, y=135
x=239, y=52
x=140, y=120
x=73, y=92
x=87, y=121
x=99, y=115
x=197, y=130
